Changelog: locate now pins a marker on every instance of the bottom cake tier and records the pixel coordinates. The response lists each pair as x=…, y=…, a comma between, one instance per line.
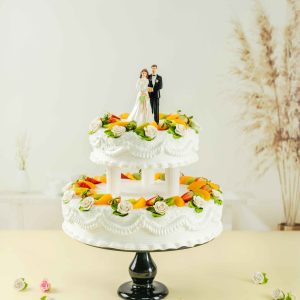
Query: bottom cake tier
x=154, y=221
x=180, y=227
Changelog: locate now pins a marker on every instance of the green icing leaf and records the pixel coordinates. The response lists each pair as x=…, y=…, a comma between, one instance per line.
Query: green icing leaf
x=131, y=126
x=119, y=214
x=198, y=209
x=170, y=201
x=109, y=133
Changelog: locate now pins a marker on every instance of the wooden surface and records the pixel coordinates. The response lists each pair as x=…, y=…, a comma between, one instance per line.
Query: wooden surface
x=221, y=269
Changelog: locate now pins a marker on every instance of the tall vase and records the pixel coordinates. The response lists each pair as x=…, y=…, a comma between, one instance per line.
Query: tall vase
x=22, y=182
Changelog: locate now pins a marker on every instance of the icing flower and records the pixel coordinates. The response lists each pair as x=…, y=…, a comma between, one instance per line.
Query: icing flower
x=260, y=278
x=150, y=131
x=160, y=207
x=278, y=294
x=118, y=130
x=199, y=202
x=124, y=207
x=180, y=129
x=95, y=125
x=68, y=196
x=20, y=284
x=86, y=203
x=45, y=286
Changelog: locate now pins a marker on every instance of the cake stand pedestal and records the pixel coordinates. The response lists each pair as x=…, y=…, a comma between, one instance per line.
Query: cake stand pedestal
x=142, y=271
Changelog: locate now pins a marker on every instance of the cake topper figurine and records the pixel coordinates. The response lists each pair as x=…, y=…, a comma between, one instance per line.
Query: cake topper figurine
x=155, y=85
x=146, y=108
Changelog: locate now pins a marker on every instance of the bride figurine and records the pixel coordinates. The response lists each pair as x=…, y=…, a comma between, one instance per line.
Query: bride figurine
x=141, y=112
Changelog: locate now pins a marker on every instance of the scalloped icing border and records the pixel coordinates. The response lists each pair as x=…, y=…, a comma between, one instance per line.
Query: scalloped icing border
x=143, y=247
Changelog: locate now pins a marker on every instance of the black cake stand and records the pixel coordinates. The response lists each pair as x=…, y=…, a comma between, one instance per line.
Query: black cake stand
x=142, y=271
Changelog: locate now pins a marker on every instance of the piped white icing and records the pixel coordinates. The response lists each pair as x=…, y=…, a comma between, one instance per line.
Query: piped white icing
x=130, y=150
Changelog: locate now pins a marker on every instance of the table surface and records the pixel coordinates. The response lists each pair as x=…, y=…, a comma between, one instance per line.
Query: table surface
x=221, y=269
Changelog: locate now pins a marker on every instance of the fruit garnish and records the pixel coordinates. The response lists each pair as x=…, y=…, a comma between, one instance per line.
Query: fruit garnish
x=140, y=203
x=180, y=121
x=104, y=200
x=86, y=184
x=202, y=193
x=214, y=186
x=92, y=180
x=172, y=116
x=185, y=179
x=197, y=184
x=101, y=179
x=179, y=201
x=124, y=115
x=151, y=201
x=187, y=196
x=124, y=176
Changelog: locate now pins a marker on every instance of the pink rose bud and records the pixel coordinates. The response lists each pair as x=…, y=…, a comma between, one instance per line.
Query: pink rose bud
x=45, y=285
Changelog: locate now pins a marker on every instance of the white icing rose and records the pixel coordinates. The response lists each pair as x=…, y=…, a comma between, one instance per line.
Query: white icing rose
x=161, y=207
x=180, y=129
x=278, y=294
x=95, y=125
x=68, y=196
x=124, y=207
x=20, y=284
x=218, y=194
x=199, y=202
x=118, y=130
x=258, y=278
x=150, y=131
x=67, y=187
x=86, y=203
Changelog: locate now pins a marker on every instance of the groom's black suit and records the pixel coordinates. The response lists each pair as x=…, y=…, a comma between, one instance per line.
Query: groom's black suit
x=155, y=95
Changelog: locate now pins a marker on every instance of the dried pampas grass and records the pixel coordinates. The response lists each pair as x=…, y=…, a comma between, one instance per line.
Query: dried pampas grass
x=270, y=96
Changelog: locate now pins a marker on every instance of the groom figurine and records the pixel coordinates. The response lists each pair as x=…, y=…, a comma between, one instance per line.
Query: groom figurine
x=154, y=87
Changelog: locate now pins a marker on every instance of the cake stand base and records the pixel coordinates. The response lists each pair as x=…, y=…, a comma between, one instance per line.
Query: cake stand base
x=142, y=271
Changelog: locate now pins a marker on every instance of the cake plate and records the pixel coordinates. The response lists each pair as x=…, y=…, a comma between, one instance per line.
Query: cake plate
x=142, y=271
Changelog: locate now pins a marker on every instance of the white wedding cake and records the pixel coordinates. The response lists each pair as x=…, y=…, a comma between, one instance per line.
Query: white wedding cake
x=154, y=208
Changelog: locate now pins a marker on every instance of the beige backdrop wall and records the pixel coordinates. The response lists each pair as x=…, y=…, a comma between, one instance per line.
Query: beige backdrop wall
x=65, y=61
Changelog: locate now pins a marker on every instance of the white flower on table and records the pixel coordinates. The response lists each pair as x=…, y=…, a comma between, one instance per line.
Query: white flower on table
x=124, y=207
x=86, y=203
x=260, y=278
x=20, y=284
x=161, y=207
x=151, y=131
x=68, y=196
x=180, y=129
x=95, y=125
x=278, y=294
x=118, y=130
x=199, y=202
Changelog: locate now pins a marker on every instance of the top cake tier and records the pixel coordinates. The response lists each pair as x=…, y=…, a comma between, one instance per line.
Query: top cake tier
x=171, y=143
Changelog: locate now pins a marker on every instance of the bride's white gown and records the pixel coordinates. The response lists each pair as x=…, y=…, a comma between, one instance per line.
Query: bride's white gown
x=141, y=112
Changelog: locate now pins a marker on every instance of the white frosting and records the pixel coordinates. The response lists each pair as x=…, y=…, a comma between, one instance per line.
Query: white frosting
x=139, y=230
x=129, y=150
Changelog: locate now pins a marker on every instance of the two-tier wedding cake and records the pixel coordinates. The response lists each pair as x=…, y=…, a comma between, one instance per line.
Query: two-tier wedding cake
x=143, y=201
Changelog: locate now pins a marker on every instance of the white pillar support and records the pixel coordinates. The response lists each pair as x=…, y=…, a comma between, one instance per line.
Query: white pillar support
x=113, y=181
x=147, y=177
x=172, y=181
